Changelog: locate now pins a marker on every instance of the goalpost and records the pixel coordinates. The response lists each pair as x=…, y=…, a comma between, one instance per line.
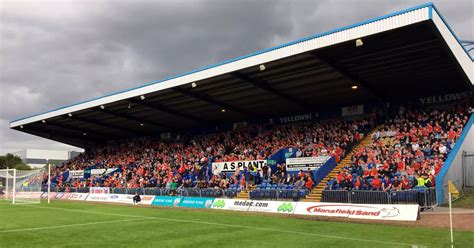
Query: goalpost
x=23, y=186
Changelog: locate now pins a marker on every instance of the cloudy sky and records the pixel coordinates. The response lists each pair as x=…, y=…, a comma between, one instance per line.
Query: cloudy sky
x=54, y=53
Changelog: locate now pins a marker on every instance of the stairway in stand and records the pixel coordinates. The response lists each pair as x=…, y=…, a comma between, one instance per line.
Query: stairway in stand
x=317, y=192
x=245, y=195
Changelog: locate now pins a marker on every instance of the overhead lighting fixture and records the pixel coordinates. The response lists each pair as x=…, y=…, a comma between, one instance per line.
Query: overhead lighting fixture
x=84, y=134
x=142, y=97
x=262, y=67
x=223, y=110
x=21, y=126
x=102, y=107
x=70, y=115
x=44, y=121
x=354, y=87
x=141, y=124
x=194, y=85
x=129, y=105
x=359, y=43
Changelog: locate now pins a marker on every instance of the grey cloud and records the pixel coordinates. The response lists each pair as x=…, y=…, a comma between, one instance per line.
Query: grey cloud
x=54, y=54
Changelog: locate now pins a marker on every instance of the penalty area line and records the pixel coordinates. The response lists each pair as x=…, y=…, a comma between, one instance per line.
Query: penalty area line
x=232, y=225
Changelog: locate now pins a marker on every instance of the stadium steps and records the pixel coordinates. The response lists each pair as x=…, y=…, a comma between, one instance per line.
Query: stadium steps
x=317, y=192
x=245, y=194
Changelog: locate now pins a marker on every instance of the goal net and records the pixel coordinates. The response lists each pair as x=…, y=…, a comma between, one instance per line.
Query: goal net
x=22, y=186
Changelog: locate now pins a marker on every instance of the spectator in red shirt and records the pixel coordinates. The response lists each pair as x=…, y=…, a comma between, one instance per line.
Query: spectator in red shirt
x=309, y=183
x=376, y=183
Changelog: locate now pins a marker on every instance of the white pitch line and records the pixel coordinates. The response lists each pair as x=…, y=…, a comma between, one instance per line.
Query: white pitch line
x=71, y=225
x=229, y=225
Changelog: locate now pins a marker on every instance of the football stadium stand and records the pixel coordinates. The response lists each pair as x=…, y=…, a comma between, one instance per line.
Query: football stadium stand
x=375, y=112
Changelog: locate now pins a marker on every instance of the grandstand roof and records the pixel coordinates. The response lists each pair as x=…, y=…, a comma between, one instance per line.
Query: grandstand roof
x=407, y=54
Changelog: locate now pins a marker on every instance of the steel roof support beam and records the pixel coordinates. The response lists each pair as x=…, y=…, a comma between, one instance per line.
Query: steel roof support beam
x=136, y=119
x=163, y=108
x=354, y=78
x=208, y=99
x=107, y=125
x=262, y=84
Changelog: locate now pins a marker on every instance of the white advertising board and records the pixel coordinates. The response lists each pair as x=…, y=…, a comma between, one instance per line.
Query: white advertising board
x=76, y=174
x=99, y=190
x=77, y=196
x=312, y=163
x=272, y=207
x=232, y=166
x=121, y=198
x=230, y=204
x=30, y=195
x=359, y=211
x=96, y=172
x=97, y=197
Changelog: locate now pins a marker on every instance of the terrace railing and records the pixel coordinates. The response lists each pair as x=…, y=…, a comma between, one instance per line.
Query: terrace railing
x=425, y=197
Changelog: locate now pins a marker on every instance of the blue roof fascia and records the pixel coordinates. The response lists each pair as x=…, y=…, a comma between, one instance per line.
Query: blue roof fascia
x=243, y=57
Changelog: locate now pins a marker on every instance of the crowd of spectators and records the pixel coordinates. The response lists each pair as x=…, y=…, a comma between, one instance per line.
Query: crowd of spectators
x=406, y=151
x=148, y=162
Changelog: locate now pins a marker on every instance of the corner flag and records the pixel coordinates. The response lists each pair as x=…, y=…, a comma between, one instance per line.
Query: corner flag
x=452, y=188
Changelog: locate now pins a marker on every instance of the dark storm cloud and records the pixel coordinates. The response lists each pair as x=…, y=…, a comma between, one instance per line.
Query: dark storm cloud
x=55, y=53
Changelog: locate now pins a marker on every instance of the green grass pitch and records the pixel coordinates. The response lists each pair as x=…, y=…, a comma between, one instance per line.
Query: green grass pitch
x=81, y=224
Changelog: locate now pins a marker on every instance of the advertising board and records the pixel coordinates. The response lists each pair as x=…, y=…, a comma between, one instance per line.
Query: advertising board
x=76, y=174
x=196, y=202
x=99, y=190
x=97, y=197
x=272, y=207
x=232, y=166
x=77, y=196
x=167, y=201
x=231, y=204
x=312, y=163
x=359, y=211
x=121, y=198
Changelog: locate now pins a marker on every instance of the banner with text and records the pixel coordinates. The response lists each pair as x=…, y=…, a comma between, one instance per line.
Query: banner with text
x=359, y=211
x=76, y=174
x=445, y=98
x=167, y=201
x=121, y=198
x=77, y=196
x=196, y=202
x=232, y=166
x=97, y=197
x=96, y=172
x=99, y=190
x=312, y=163
x=231, y=204
x=297, y=118
x=272, y=207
